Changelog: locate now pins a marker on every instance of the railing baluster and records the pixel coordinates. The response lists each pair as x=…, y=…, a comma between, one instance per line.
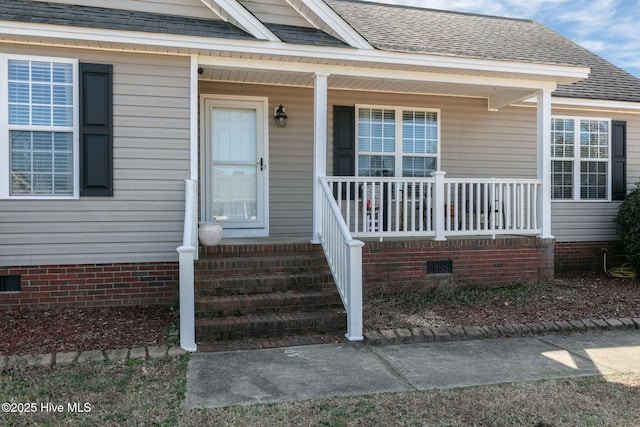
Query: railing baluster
x=409, y=207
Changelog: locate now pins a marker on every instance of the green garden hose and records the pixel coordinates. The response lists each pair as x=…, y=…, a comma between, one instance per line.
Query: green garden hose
x=626, y=271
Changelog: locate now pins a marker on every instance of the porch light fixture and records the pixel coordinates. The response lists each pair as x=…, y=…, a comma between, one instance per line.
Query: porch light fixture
x=280, y=116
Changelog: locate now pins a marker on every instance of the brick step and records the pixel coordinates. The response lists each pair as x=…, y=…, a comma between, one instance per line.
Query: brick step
x=276, y=302
x=259, y=250
x=211, y=284
x=259, y=264
x=211, y=330
x=275, y=342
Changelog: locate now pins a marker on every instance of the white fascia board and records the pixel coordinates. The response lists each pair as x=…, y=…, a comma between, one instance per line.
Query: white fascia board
x=379, y=73
x=365, y=57
x=323, y=12
x=588, y=105
x=243, y=17
x=596, y=105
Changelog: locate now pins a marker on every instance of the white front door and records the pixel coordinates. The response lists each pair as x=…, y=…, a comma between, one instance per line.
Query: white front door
x=235, y=165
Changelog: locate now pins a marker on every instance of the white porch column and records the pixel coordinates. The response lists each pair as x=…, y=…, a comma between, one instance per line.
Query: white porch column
x=319, y=149
x=544, y=162
x=438, y=205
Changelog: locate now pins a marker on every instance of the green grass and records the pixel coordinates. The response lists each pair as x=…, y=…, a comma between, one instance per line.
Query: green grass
x=152, y=392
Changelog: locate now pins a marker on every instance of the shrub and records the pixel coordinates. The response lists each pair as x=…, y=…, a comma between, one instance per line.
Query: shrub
x=628, y=226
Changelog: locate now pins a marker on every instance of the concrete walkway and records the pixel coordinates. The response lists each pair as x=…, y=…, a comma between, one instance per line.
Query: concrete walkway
x=329, y=370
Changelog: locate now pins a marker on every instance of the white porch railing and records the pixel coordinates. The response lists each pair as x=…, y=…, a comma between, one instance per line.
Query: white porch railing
x=437, y=207
x=187, y=254
x=344, y=255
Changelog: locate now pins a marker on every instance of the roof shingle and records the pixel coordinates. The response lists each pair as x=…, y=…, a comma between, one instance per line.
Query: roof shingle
x=436, y=32
x=386, y=27
x=116, y=19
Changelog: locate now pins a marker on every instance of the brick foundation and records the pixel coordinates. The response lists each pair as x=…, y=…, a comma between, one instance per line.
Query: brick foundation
x=92, y=285
x=586, y=256
x=402, y=265
x=387, y=266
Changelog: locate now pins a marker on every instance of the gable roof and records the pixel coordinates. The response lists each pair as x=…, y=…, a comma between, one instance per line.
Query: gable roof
x=304, y=35
x=429, y=31
x=129, y=20
x=116, y=19
x=390, y=28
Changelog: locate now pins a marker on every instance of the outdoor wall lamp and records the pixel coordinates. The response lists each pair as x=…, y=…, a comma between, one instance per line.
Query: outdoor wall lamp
x=280, y=116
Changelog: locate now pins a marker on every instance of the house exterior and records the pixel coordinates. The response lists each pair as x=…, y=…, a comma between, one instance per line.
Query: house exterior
x=493, y=146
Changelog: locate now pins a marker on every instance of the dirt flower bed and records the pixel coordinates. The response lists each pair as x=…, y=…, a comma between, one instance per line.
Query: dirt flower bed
x=575, y=297
x=570, y=297
x=31, y=331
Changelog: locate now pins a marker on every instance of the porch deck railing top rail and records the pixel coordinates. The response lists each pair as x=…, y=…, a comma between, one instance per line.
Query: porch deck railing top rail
x=437, y=207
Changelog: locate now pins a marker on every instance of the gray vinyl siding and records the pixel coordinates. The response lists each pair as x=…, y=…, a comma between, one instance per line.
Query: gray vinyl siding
x=194, y=8
x=290, y=161
x=593, y=221
x=475, y=142
x=143, y=220
x=469, y=133
x=275, y=12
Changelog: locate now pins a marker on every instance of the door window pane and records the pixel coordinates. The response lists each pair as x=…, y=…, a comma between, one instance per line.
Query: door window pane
x=234, y=133
x=234, y=193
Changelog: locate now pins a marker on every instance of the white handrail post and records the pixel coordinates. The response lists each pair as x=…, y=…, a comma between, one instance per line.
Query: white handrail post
x=438, y=205
x=354, y=311
x=187, y=299
x=186, y=257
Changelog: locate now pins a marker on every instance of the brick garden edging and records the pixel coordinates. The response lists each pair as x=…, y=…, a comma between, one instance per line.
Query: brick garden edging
x=379, y=337
x=424, y=334
x=70, y=358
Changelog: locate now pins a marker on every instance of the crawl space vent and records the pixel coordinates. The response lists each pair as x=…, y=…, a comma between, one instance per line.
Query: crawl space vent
x=9, y=283
x=439, y=267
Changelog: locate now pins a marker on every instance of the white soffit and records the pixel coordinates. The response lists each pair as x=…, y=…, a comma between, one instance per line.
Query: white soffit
x=234, y=12
x=392, y=83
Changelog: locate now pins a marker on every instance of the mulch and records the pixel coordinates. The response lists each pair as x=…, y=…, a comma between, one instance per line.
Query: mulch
x=572, y=297
x=38, y=331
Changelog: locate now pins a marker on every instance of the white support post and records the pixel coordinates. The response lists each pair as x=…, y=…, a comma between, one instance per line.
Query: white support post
x=544, y=162
x=354, y=312
x=438, y=211
x=193, y=119
x=319, y=149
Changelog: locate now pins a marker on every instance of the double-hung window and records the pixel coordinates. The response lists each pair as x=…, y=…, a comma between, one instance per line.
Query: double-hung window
x=392, y=141
x=39, y=136
x=580, y=158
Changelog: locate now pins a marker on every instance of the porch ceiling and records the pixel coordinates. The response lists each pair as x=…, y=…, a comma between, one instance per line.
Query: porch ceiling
x=498, y=92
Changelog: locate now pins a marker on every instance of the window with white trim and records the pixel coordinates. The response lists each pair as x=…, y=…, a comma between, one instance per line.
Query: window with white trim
x=393, y=141
x=580, y=157
x=39, y=131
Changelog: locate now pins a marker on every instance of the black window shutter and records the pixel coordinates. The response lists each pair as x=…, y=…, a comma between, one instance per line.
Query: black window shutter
x=618, y=160
x=344, y=142
x=96, y=129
